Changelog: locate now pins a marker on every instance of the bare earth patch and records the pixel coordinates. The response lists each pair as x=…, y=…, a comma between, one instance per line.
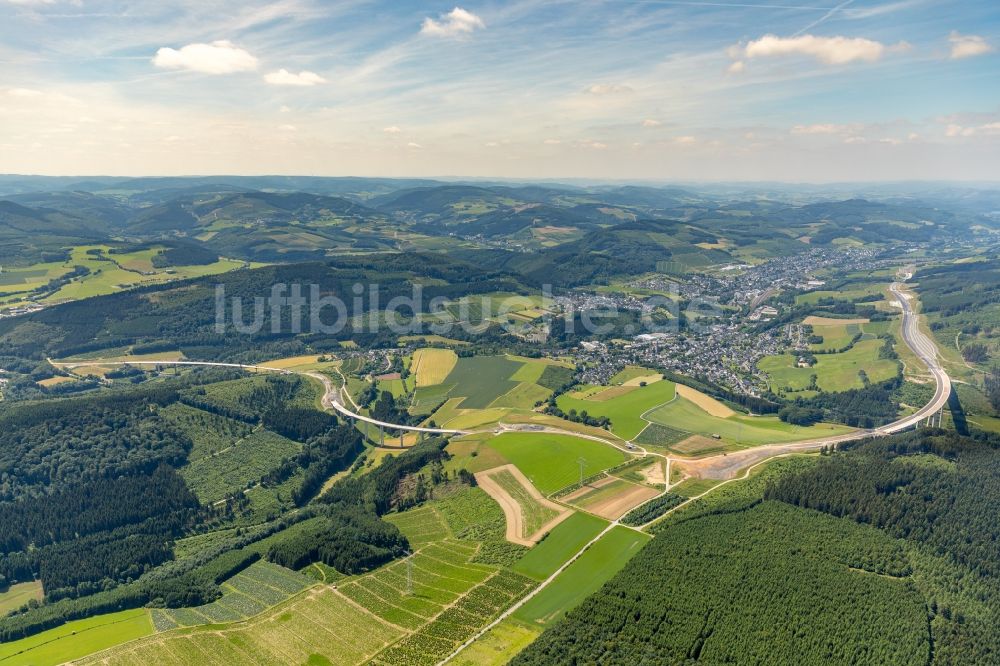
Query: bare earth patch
x=813, y=320
x=612, y=392
x=705, y=402
x=655, y=474
x=512, y=510
x=648, y=379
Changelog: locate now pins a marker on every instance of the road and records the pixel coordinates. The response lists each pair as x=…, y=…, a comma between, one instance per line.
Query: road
x=728, y=465
x=331, y=394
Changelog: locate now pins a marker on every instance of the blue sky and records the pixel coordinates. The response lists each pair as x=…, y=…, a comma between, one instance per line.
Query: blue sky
x=798, y=90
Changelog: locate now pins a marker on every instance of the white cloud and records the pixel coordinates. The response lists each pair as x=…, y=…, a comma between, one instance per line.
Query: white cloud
x=552, y=142
x=968, y=46
x=455, y=23
x=954, y=130
x=649, y=122
x=608, y=89
x=413, y=144
x=819, y=128
x=285, y=78
x=220, y=57
x=737, y=67
x=685, y=140
x=597, y=145
x=24, y=92
x=491, y=144
x=828, y=50
x=287, y=128
x=391, y=129
x=285, y=109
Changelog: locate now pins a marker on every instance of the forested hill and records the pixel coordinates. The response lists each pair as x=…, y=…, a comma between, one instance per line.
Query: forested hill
x=884, y=554
x=183, y=315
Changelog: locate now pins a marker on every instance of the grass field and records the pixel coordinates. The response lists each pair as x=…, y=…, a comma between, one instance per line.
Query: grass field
x=584, y=577
x=499, y=645
x=834, y=372
x=625, y=411
x=482, y=379
x=17, y=595
x=659, y=436
x=550, y=461
x=562, y=542
x=630, y=372
x=683, y=414
x=611, y=499
x=77, y=639
x=431, y=366
x=835, y=336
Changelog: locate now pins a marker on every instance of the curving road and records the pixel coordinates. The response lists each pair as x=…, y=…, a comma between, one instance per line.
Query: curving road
x=331, y=395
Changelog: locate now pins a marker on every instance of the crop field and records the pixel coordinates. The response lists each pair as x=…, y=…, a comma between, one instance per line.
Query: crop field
x=441, y=573
x=248, y=593
x=659, y=436
x=611, y=499
x=17, y=595
x=550, y=461
x=77, y=639
x=625, y=411
x=482, y=379
x=683, y=414
x=834, y=372
x=458, y=623
x=523, y=396
x=421, y=526
x=431, y=366
x=562, y=542
x=239, y=466
x=584, y=577
x=317, y=628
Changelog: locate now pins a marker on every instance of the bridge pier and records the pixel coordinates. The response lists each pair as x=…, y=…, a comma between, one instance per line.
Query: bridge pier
x=401, y=433
x=381, y=436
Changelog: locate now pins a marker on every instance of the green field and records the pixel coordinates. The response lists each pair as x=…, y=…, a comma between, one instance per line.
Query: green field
x=834, y=372
x=550, y=461
x=630, y=372
x=584, y=577
x=836, y=336
x=77, y=639
x=625, y=411
x=482, y=379
x=499, y=645
x=562, y=543
x=17, y=595
x=682, y=414
x=522, y=396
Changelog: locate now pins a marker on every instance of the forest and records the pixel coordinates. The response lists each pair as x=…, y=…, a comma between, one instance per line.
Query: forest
x=883, y=552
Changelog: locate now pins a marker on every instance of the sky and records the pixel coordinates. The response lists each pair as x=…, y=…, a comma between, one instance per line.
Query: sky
x=652, y=90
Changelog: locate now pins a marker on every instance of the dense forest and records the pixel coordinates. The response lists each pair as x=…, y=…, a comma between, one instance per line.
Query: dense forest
x=884, y=553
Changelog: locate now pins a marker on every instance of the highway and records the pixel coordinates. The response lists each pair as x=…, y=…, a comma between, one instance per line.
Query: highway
x=331, y=394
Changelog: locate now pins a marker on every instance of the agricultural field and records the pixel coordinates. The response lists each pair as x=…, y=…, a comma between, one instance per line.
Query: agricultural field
x=737, y=431
x=611, y=497
x=210, y=433
x=625, y=410
x=633, y=374
x=660, y=437
x=593, y=568
x=562, y=543
x=431, y=366
x=248, y=593
x=834, y=372
x=550, y=461
x=482, y=379
x=836, y=336
x=78, y=638
x=499, y=645
x=108, y=273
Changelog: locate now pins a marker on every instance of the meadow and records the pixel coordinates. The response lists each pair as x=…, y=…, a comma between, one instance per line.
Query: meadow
x=598, y=564
x=17, y=595
x=550, y=461
x=77, y=639
x=482, y=379
x=562, y=543
x=834, y=372
x=625, y=411
x=742, y=431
